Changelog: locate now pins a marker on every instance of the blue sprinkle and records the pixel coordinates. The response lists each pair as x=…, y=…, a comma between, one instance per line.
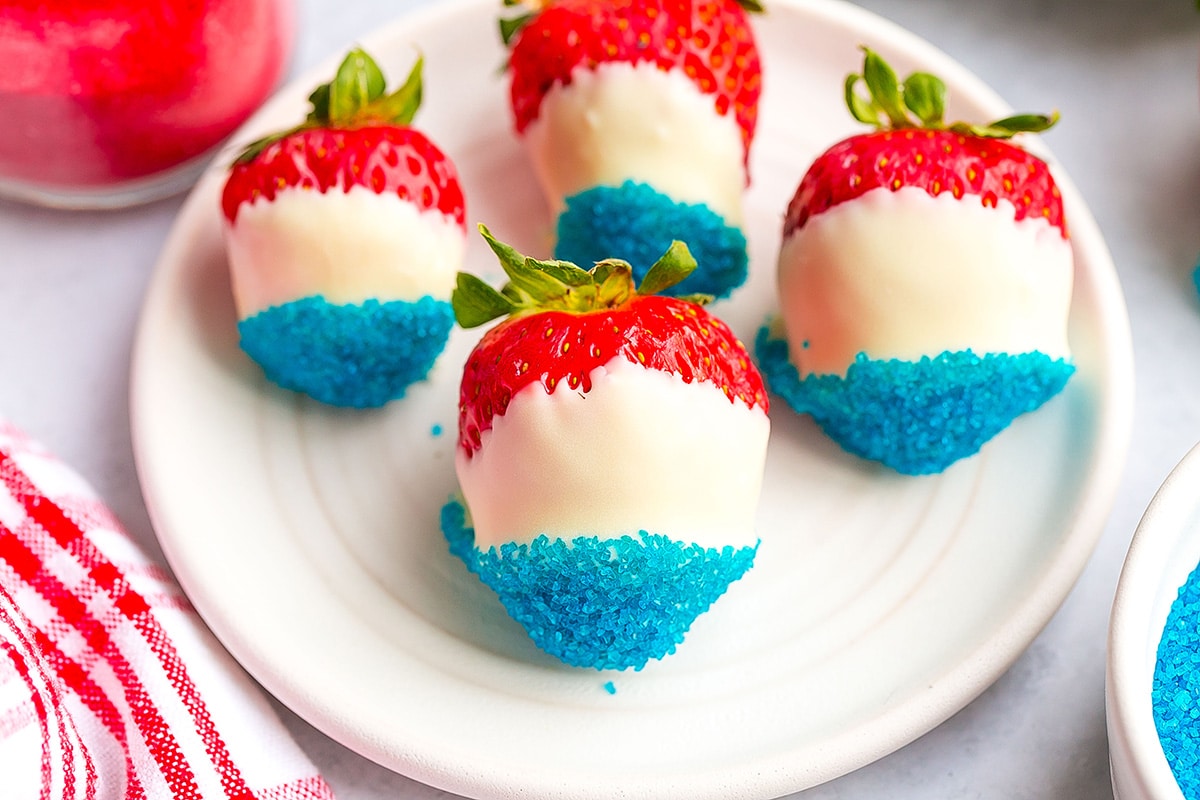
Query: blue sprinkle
x=1196, y=276
x=357, y=355
x=636, y=223
x=917, y=417
x=436, y=430
x=1176, y=687
x=601, y=603
x=610, y=687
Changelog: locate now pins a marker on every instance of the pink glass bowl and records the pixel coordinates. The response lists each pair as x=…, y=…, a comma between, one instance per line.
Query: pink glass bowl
x=108, y=103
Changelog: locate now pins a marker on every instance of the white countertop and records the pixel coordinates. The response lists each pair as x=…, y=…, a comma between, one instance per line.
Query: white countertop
x=1124, y=76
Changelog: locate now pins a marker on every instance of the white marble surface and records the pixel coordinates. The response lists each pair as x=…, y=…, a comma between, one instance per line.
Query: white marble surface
x=1124, y=75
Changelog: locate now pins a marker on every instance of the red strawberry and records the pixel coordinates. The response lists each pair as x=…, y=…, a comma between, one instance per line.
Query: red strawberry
x=568, y=322
x=923, y=152
x=611, y=450
x=355, y=135
x=710, y=40
x=344, y=235
x=934, y=160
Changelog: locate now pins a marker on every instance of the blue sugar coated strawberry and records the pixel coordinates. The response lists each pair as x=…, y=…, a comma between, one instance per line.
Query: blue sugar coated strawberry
x=636, y=223
x=608, y=604
x=917, y=417
x=359, y=355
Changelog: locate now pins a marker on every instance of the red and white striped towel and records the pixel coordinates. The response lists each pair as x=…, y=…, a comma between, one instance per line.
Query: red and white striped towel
x=110, y=686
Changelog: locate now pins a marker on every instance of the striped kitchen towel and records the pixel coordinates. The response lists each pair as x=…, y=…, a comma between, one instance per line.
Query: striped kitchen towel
x=110, y=685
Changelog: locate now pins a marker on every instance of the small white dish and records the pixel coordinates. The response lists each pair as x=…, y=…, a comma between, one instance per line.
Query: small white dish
x=1164, y=552
x=879, y=604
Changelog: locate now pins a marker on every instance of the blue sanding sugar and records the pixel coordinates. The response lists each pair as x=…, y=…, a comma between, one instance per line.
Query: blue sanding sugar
x=636, y=223
x=360, y=355
x=1175, y=691
x=602, y=603
x=916, y=417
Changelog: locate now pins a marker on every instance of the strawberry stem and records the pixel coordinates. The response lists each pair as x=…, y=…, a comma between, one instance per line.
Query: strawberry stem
x=356, y=96
x=535, y=285
x=919, y=101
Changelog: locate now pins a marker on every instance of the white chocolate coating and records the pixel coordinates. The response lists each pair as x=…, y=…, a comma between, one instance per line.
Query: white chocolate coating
x=641, y=451
x=903, y=274
x=347, y=246
x=636, y=122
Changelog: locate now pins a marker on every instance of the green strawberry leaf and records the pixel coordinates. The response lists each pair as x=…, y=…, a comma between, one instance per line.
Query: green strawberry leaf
x=399, y=107
x=1026, y=123
x=539, y=286
x=507, y=254
x=603, y=269
x=357, y=83
x=615, y=279
x=535, y=285
x=671, y=268
x=884, y=88
x=1009, y=126
x=255, y=148
x=566, y=273
x=861, y=108
x=925, y=96
x=527, y=276
x=320, y=104
x=355, y=96
x=982, y=131
x=475, y=302
x=920, y=102
x=511, y=26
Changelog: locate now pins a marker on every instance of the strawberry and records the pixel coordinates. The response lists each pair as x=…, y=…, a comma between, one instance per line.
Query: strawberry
x=344, y=234
x=610, y=455
x=709, y=40
x=936, y=161
x=639, y=116
x=924, y=279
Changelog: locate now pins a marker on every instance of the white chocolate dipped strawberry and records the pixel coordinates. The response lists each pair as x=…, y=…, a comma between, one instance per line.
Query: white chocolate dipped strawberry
x=638, y=118
x=924, y=280
x=610, y=456
x=344, y=235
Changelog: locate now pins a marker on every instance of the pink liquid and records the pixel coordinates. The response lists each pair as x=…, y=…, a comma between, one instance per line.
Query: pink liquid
x=98, y=93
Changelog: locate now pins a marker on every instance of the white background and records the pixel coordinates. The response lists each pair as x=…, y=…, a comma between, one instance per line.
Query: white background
x=1124, y=75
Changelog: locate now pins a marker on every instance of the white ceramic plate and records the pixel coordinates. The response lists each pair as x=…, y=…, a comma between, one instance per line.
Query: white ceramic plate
x=879, y=605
